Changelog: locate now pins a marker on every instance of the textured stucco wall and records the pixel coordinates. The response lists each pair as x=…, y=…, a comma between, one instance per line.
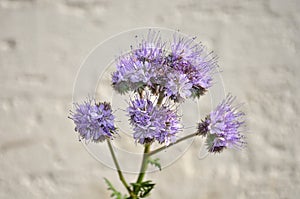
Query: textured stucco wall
x=42, y=44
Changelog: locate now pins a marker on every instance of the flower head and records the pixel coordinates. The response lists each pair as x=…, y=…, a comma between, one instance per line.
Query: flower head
x=180, y=68
x=150, y=49
x=138, y=68
x=191, y=59
x=178, y=86
x=152, y=122
x=94, y=121
x=223, y=127
x=131, y=74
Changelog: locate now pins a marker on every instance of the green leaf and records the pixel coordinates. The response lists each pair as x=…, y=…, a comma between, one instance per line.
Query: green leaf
x=115, y=193
x=155, y=162
x=143, y=189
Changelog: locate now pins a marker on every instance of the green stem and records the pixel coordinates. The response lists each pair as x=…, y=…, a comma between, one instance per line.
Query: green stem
x=118, y=168
x=144, y=164
x=172, y=144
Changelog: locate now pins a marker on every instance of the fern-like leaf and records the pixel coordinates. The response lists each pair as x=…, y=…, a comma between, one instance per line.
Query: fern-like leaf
x=143, y=189
x=155, y=162
x=116, y=194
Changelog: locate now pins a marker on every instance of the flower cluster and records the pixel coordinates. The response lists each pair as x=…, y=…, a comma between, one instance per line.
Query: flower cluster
x=223, y=127
x=94, y=121
x=179, y=69
x=169, y=71
x=160, y=76
x=153, y=122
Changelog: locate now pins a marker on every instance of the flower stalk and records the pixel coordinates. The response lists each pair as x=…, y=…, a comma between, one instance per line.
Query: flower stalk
x=172, y=144
x=122, y=179
x=144, y=163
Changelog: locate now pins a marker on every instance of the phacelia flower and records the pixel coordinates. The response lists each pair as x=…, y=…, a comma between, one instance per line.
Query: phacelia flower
x=94, y=121
x=178, y=86
x=180, y=68
x=192, y=59
x=131, y=74
x=152, y=122
x=137, y=69
x=150, y=49
x=223, y=127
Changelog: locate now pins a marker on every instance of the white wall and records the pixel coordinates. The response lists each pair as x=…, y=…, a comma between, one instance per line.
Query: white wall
x=42, y=44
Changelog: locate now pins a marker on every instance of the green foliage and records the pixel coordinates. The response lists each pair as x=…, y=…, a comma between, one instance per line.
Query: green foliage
x=155, y=162
x=116, y=194
x=142, y=189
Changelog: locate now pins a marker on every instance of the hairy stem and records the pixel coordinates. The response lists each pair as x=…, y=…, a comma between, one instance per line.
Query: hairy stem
x=144, y=164
x=118, y=168
x=172, y=144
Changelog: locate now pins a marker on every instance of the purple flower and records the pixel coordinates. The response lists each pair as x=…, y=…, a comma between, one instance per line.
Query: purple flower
x=178, y=86
x=131, y=74
x=180, y=68
x=151, y=49
x=94, y=121
x=191, y=59
x=153, y=122
x=137, y=69
x=223, y=127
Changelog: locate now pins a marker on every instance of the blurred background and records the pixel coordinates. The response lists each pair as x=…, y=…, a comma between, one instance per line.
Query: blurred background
x=43, y=43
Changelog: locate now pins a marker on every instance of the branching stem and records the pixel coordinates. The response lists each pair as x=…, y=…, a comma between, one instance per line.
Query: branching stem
x=172, y=144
